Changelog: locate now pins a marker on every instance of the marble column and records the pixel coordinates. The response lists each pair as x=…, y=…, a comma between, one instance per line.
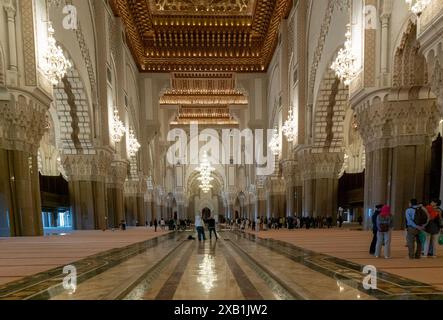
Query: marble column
x=115, y=185
x=20, y=194
x=398, y=156
x=320, y=182
x=22, y=123
x=87, y=174
x=289, y=174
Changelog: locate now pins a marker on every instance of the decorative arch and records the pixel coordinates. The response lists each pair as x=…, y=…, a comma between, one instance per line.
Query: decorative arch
x=74, y=112
x=410, y=67
x=329, y=113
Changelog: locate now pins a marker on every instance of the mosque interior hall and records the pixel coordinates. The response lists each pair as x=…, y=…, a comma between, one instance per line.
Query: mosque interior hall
x=221, y=149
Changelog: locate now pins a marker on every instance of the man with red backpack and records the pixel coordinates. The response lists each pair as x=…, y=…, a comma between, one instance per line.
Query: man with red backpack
x=417, y=218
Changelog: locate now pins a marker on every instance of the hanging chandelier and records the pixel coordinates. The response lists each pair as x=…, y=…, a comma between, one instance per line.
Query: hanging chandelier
x=417, y=6
x=290, y=127
x=274, y=145
x=118, y=129
x=345, y=63
x=205, y=177
x=133, y=145
x=55, y=64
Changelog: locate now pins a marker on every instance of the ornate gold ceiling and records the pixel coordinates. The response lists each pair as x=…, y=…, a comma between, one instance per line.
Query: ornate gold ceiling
x=202, y=35
x=203, y=89
x=204, y=115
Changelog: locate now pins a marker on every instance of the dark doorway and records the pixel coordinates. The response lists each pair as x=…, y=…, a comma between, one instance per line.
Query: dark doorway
x=351, y=195
x=436, y=157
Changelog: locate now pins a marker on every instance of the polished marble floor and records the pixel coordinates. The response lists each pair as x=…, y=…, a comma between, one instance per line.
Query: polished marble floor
x=238, y=266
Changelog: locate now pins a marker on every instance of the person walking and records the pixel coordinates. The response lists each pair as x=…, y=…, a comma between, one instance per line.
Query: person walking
x=211, y=228
x=432, y=230
x=199, y=226
x=155, y=225
x=416, y=220
x=385, y=223
x=374, y=228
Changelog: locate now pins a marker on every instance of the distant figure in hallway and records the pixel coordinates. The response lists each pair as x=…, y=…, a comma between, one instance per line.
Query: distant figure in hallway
x=123, y=225
x=200, y=228
x=340, y=221
x=374, y=228
x=155, y=225
x=162, y=224
x=211, y=228
x=416, y=220
x=385, y=223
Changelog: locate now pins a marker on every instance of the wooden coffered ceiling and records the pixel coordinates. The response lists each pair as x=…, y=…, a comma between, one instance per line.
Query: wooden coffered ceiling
x=208, y=115
x=202, y=35
x=203, y=89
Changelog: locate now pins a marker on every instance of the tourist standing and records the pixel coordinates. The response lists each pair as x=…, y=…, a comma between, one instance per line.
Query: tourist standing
x=374, y=228
x=155, y=225
x=162, y=223
x=416, y=220
x=385, y=224
x=200, y=228
x=211, y=228
x=432, y=229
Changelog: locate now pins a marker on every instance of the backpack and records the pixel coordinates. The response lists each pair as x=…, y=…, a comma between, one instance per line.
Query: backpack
x=420, y=216
x=385, y=223
x=384, y=227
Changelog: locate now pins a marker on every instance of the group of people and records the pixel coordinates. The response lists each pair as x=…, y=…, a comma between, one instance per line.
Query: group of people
x=264, y=223
x=423, y=225
x=200, y=227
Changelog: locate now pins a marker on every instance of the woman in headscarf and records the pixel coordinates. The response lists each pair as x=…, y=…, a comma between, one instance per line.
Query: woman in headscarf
x=385, y=223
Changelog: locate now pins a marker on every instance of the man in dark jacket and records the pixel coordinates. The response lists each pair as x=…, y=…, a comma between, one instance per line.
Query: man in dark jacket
x=374, y=228
x=211, y=227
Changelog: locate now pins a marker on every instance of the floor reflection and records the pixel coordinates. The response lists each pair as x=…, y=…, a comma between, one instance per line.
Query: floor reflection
x=207, y=275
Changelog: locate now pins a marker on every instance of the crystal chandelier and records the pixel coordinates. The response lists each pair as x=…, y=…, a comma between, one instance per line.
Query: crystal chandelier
x=417, y=6
x=55, y=63
x=345, y=63
x=118, y=129
x=290, y=127
x=133, y=145
x=205, y=178
x=274, y=145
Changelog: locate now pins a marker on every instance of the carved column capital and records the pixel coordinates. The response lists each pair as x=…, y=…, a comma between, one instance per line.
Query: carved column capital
x=135, y=187
x=320, y=165
x=11, y=11
x=22, y=123
x=404, y=116
x=87, y=167
x=117, y=174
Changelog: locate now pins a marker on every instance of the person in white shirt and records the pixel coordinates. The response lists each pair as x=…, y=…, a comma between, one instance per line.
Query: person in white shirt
x=199, y=226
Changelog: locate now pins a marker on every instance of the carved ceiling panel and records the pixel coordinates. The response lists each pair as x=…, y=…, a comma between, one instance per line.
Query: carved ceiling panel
x=202, y=35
